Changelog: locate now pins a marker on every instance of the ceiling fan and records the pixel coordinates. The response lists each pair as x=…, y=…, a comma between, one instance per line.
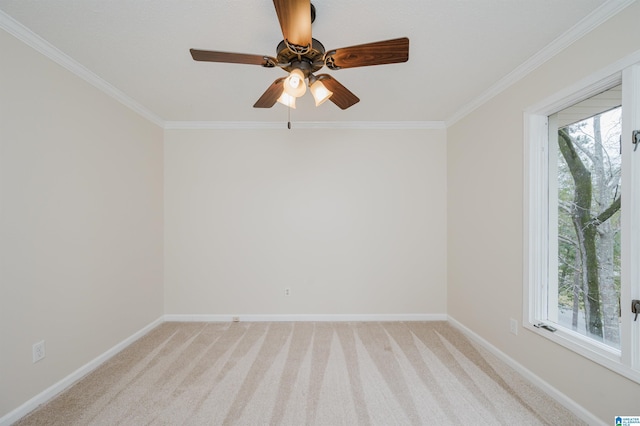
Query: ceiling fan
x=301, y=56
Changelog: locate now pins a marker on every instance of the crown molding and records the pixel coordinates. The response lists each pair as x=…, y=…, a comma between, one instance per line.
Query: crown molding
x=36, y=42
x=392, y=125
x=277, y=125
x=586, y=25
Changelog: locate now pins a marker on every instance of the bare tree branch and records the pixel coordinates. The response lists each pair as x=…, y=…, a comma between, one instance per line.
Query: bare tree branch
x=610, y=211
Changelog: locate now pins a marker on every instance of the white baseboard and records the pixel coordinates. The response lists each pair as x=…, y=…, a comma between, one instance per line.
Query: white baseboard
x=72, y=378
x=554, y=393
x=305, y=317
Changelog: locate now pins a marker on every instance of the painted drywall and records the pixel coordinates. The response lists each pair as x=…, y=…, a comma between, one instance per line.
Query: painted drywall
x=80, y=226
x=485, y=219
x=352, y=221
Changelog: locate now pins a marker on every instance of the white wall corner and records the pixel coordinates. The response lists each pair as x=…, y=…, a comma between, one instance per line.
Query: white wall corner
x=39, y=44
x=596, y=18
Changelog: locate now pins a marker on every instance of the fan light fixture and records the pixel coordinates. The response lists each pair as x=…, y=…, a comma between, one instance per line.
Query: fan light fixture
x=294, y=84
x=320, y=92
x=287, y=100
x=294, y=87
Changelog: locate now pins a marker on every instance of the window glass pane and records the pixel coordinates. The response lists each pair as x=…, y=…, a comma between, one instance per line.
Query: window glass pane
x=585, y=292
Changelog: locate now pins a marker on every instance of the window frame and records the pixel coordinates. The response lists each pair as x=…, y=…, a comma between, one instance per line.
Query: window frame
x=625, y=361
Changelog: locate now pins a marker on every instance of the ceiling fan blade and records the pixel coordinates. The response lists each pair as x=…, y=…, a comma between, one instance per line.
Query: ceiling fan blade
x=342, y=96
x=230, y=58
x=378, y=53
x=270, y=97
x=295, y=21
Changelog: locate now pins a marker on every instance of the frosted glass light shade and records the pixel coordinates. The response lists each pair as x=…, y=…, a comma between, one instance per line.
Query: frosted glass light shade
x=294, y=84
x=320, y=92
x=287, y=100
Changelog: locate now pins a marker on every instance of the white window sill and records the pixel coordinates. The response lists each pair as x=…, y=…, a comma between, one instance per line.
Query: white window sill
x=599, y=353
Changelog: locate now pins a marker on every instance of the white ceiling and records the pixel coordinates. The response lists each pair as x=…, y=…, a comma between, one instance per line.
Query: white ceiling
x=459, y=49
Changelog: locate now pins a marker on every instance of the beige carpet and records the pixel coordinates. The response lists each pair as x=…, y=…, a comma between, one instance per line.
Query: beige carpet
x=303, y=373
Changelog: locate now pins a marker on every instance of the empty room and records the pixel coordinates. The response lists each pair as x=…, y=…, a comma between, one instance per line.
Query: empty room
x=294, y=212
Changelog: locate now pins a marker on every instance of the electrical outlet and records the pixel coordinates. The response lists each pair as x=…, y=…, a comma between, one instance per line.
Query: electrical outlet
x=235, y=319
x=513, y=326
x=287, y=291
x=38, y=351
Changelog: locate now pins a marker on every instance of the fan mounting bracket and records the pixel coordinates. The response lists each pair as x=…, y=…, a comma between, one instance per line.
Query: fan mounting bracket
x=313, y=57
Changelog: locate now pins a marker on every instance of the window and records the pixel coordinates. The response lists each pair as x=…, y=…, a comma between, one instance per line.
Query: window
x=584, y=217
x=582, y=185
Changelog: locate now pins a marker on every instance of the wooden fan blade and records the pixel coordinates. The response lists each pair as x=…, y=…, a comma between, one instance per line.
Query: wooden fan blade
x=342, y=96
x=230, y=58
x=270, y=97
x=378, y=53
x=295, y=20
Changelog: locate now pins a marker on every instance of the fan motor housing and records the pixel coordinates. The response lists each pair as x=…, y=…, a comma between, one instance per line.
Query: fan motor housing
x=310, y=61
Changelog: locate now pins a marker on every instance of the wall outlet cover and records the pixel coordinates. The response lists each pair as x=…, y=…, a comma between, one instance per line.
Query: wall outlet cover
x=513, y=326
x=38, y=351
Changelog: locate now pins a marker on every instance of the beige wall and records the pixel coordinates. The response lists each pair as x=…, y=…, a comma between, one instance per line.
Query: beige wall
x=80, y=226
x=353, y=221
x=485, y=213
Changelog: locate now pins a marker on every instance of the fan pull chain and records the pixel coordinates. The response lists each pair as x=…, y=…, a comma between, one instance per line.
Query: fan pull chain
x=289, y=118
